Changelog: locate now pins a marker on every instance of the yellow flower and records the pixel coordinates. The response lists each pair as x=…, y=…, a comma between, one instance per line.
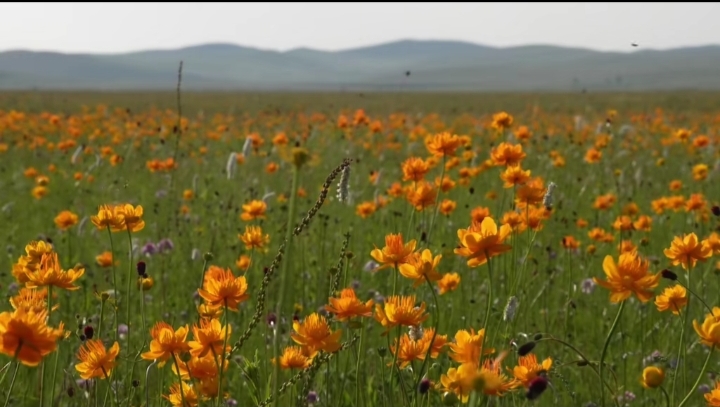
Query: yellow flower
x=672, y=298
x=629, y=276
x=502, y=121
x=107, y=217
x=131, y=218
x=188, y=394
x=482, y=241
x=95, y=360
x=709, y=331
x=468, y=347
x=421, y=267
x=687, y=250
x=652, y=377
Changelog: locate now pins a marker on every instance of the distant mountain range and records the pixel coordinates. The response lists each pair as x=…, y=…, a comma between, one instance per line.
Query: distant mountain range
x=397, y=66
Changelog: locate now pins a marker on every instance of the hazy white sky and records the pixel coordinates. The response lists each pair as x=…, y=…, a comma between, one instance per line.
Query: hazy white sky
x=120, y=27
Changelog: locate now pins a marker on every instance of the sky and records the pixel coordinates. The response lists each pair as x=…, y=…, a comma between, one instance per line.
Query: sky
x=123, y=27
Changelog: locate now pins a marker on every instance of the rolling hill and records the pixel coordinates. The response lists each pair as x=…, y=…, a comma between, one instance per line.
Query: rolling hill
x=434, y=66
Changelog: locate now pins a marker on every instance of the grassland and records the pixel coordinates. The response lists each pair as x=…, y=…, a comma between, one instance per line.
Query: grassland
x=610, y=155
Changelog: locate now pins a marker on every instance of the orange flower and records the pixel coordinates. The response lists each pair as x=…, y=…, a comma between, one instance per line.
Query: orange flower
x=672, y=298
x=222, y=289
x=294, y=357
x=65, y=220
x=514, y=176
x=178, y=394
x=131, y=218
x=447, y=206
x=365, y=209
x=482, y=241
x=25, y=335
x=107, y=217
x=414, y=169
x=629, y=276
x=349, y=306
x=315, y=333
x=209, y=337
x=570, y=243
x=593, y=156
x=442, y=144
x=399, y=310
x=468, y=347
x=104, y=259
x=448, y=282
x=502, y=121
x=528, y=368
x=412, y=349
x=687, y=250
x=166, y=342
x=31, y=299
x=253, y=210
x=713, y=397
x=709, y=331
x=95, y=360
x=507, y=154
x=421, y=267
x=253, y=238
x=50, y=274
x=422, y=196
x=395, y=252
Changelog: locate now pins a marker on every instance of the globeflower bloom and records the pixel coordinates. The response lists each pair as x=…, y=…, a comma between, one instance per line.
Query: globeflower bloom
x=166, y=342
x=50, y=274
x=254, y=210
x=528, y=368
x=222, y=289
x=709, y=331
x=672, y=298
x=66, y=220
x=95, y=360
x=652, y=377
x=349, y=306
x=24, y=335
x=131, y=218
x=687, y=250
x=395, y=252
x=421, y=267
x=629, y=276
x=315, y=333
x=483, y=241
x=399, y=310
x=442, y=144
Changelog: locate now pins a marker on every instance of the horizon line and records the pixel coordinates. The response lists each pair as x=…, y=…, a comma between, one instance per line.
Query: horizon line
x=631, y=48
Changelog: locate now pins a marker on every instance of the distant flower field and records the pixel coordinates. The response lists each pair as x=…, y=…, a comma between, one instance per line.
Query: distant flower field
x=360, y=250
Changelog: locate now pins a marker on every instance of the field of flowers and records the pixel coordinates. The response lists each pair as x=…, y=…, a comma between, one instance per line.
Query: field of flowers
x=359, y=250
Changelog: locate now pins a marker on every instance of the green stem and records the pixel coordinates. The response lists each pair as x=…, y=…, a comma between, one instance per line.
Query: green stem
x=115, y=286
x=437, y=199
x=605, y=347
x=667, y=397
x=224, y=351
x=700, y=376
x=679, y=354
x=436, y=324
x=128, y=291
x=283, y=282
x=357, y=365
x=177, y=368
x=14, y=376
x=488, y=304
